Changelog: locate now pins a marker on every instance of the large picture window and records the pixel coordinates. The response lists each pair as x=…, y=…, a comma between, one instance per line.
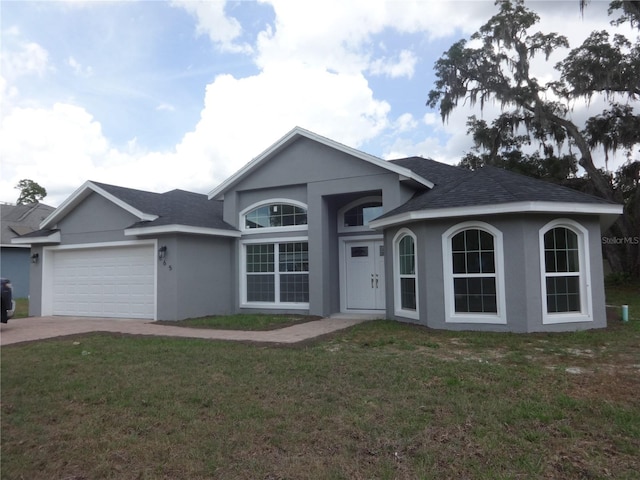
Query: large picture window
x=563, y=265
x=277, y=273
x=473, y=273
x=406, y=292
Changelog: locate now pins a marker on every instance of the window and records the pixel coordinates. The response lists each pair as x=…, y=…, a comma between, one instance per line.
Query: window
x=277, y=273
x=356, y=215
x=563, y=266
x=276, y=215
x=406, y=299
x=362, y=214
x=473, y=274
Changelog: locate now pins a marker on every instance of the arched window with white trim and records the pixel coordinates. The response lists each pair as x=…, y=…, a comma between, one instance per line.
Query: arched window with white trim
x=274, y=215
x=274, y=268
x=405, y=274
x=474, y=274
x=564, y=272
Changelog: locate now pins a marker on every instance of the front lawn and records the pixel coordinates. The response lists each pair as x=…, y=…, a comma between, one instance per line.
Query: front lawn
x=380, y=400
x=242, y=321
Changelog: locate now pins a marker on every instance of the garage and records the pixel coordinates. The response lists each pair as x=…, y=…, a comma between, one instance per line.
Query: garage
x=113, y=282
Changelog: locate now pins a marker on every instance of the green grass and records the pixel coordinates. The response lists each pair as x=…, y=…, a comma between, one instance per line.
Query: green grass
x=628, y=294
x=22, y=308
x=381, y=400
x=243, y=321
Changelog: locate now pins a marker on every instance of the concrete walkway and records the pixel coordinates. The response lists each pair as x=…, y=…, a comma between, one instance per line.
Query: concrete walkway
x=38, y=328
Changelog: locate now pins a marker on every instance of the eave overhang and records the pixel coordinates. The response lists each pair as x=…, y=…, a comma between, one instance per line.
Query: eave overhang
x=175, y=228
x=607, y=212
x=41, y=240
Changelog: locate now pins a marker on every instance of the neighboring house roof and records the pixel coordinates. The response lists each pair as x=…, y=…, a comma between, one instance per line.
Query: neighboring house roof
x=297, y=133
x=460, y=192
x=17, y=220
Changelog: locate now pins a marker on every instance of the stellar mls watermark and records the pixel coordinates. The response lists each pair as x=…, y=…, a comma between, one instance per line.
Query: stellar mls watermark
x=621, y=240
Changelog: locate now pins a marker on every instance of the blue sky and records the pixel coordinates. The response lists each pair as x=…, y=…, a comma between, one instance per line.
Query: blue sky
x=160, y=95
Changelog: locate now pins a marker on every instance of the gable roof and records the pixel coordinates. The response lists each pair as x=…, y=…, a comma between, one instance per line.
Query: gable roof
x=489, y=190
x=298, y=132
x=169, y=212
x=16, y=220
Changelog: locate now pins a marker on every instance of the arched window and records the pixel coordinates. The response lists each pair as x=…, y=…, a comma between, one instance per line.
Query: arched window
x=474, y=285
x=357, y=215
x=277, y=214
x=406, y=280
x=564, y=272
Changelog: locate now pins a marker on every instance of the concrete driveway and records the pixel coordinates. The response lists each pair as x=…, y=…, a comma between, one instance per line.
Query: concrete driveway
x=38, y=328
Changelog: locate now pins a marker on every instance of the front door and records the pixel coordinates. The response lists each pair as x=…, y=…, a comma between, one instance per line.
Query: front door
x=364, y=274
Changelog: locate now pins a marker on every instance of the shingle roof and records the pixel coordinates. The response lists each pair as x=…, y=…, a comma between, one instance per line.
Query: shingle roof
x=19, y=220
x=176, y=207
x=458, y=187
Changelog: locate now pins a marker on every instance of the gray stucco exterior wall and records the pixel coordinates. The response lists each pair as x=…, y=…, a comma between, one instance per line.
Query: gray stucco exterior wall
x=95, y=220
x=196, y=278
x=522, y=274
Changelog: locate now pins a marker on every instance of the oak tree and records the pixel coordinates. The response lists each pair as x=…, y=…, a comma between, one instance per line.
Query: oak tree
x=495, y=66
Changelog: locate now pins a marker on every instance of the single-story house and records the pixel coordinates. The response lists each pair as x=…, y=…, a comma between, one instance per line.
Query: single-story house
x=15, y=260
x=315, y=227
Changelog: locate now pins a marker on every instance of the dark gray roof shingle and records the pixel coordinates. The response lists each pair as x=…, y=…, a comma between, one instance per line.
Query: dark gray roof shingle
x=458, y=187
x=176, y=207
x=18, y=220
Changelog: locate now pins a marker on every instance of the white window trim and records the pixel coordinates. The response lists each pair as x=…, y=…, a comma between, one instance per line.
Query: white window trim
x=262, y=203
x=397, y=301
x=243, y=275
x=349, y=206
x=447, y=265
x=586, y=310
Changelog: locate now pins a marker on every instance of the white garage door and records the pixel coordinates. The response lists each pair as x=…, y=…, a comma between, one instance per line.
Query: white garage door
x=104, y=282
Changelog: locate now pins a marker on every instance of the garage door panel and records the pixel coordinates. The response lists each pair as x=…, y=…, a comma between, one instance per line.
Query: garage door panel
x=105, y=282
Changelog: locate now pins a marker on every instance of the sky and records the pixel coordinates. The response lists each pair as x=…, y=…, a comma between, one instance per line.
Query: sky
x=158, y=95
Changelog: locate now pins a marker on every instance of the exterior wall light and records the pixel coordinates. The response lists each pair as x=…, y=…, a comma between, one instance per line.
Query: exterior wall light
x=35, y=257
x=162, y=252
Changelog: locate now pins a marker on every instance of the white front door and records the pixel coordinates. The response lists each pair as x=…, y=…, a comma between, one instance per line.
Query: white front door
x=364, y=275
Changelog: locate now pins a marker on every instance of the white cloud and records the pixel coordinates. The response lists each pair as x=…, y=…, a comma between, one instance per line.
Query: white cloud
x=405, y=122
x=165, y=107
x=403, y=66
x=62, y=147
x=243, y=116
x=212, y=21
x=23, y=58
x=311, y=65
x=78, y=69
